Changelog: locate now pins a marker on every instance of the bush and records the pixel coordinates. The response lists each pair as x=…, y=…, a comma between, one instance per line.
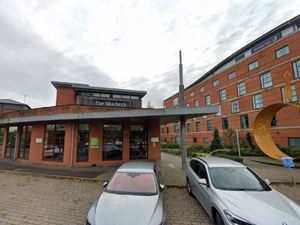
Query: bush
x=291, y=151
x=216, y=141
x=171, y=151
x=195, y=148
x=235, y=158
x=170, y=145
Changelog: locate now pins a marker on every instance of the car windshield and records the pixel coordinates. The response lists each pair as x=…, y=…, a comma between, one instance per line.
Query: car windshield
x=236, y=179
x=133, y=183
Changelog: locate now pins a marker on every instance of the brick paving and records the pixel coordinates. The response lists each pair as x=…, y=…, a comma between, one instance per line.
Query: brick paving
x=31, y=199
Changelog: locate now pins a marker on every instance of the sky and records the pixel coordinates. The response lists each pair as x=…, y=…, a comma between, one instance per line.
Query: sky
x=130, y=44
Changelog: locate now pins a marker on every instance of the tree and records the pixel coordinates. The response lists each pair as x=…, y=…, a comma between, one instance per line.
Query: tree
x=249, y=140
x=229, y=138
x=216, y=141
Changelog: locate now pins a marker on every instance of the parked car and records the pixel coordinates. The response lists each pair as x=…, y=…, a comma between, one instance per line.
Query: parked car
x=231, y=193
x=133, y=196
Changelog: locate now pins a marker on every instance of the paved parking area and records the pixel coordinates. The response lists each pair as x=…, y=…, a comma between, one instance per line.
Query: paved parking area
x=27, y=199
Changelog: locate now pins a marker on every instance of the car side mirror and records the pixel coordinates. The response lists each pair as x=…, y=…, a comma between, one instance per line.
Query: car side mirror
x=104, y=184
x=268, y=181
x=161, y=187
x=202, y=181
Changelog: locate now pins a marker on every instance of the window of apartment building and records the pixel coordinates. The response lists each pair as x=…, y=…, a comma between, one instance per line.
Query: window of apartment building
x=253, y=65
x=192, y=94
x=175, y=101
x=282, y=51
x=223, y=95
x=241, y=88
x=202, y=89
x=215, y=83
x=83, y=143
x=176, y=128
x=197, y=126
x=266, y=80
x=293, y=94
x=194, y=140
x=257, y=101
x=296, y=67
x=225, y=123
x=188, y=127
x=205, y=140
x=54, y=142
x=274, y=121
x=235, y=106
x=25, y=142
x=207, y=100
x=219, y=113
x=210, y=125
x=294, y=142
x=167, y=130
x=244, y=121
x=112, y=142
x=231, y=75
x=196, y=103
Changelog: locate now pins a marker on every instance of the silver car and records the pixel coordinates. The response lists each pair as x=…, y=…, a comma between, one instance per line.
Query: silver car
x=133, y=196
x=232, y=194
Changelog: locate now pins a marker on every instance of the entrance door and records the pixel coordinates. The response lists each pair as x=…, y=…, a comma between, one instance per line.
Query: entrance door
x=138, y=142
x=11, y=142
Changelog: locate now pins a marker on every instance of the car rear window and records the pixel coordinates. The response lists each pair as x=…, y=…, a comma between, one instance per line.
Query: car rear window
x=133, y=183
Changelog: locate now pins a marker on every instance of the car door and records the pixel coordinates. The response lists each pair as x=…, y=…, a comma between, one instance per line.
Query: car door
x=204, y=192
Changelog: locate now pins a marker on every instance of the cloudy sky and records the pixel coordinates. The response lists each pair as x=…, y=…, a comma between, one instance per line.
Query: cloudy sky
x=123, y=44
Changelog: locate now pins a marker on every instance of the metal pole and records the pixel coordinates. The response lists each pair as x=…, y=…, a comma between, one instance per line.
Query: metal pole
x=238, y=142
x=182, y=118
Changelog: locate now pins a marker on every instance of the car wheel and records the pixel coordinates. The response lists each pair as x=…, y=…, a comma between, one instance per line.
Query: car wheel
x=218, y=219
x=189, y=187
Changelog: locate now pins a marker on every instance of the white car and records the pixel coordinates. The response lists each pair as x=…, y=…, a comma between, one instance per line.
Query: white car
x=232, y=194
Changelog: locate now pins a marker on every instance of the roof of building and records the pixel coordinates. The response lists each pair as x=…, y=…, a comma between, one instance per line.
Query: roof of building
x=295, y=20
x=12, y=102
x=140, y=167
x=86, y=87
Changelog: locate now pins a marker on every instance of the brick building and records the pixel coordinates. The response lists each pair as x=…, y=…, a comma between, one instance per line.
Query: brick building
x=88, y=126
x=241, y=85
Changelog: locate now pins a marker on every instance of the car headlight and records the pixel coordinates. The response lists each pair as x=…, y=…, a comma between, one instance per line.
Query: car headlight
x=236, y=220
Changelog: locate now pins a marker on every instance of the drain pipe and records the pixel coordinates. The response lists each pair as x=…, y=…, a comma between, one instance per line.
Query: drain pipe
x=72, y=145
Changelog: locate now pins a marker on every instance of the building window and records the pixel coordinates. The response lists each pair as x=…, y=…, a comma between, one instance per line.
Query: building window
x=167, y=130
x=25, y=142
x=215, y=83
x=253, y=65
x=192, y=94
x=225, y=123
x=266, y=80
x=197, y=126
x=194, y=140
x=54, y=142
x=294, y=142
x=103, y=95
x=257, y=101
x=241, y=88
x=176, y=128
x=223, y=95
x=83, y=143
x=235, y=106
x=135, y=97
x=231, y=75
x=293, y=94
x=274, y=121
x=188, y=127
x=202, y=89
x=283, y=51
x=205, y=140
x=112, y=142
x=175, y=101
x=296, y=67
x=244, y=121
x=196, y=103
x=210, y=125
x=219, y=113
x=207, y=100
x=11, y=142
x=138, y=142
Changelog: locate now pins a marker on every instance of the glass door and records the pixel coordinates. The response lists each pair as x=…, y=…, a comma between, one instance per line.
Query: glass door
x=138, y=142
x=11, y=142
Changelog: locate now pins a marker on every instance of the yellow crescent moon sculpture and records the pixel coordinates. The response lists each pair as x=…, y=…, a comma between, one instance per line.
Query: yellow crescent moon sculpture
x=262, y=122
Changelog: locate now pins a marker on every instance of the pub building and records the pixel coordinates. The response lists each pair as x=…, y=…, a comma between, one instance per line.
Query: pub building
x=88, y=126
